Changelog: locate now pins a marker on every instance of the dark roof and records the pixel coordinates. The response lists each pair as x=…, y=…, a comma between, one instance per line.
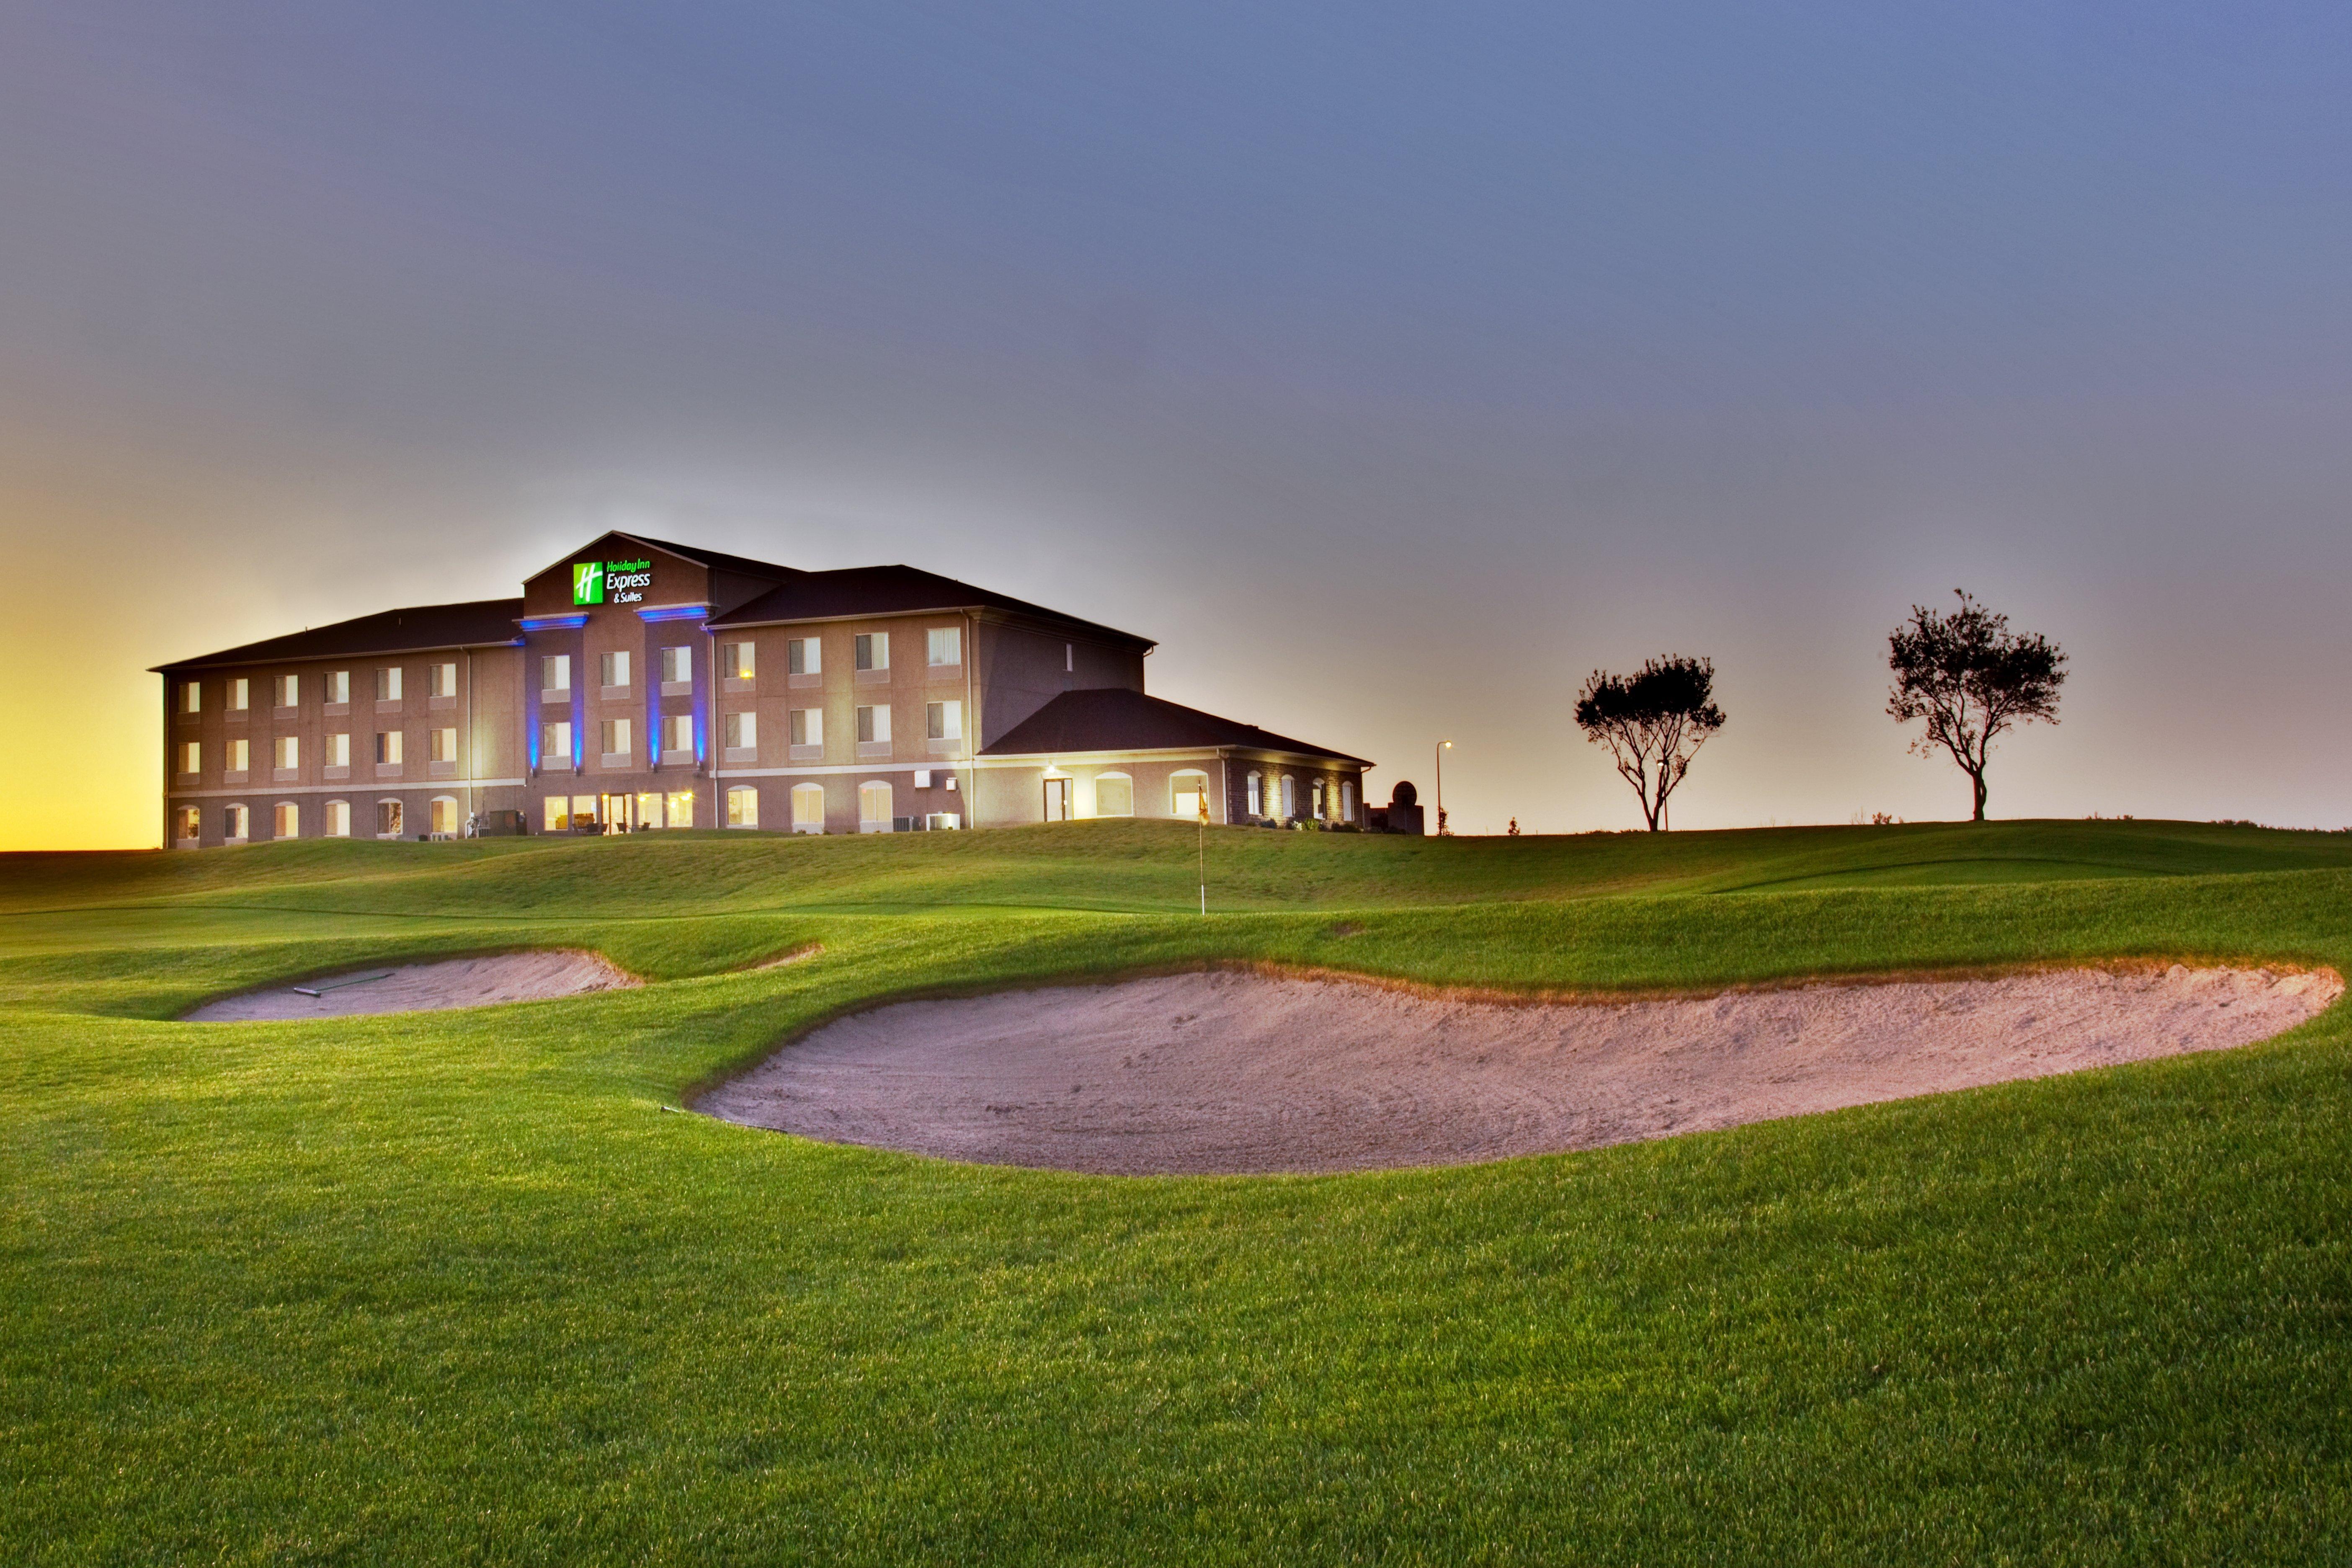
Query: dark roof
x=1116, y=720
x=887, y=591
x=484, y=623
x=718, y=561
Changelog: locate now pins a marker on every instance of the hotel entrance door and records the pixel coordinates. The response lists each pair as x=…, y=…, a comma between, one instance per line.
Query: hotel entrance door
x=1057, y=800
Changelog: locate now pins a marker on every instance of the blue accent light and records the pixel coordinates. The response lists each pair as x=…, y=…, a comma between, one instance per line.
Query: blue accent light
x=553, y=623
x=671, y=612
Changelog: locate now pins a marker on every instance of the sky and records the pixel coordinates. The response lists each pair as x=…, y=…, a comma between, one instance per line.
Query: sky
x=1393, y=366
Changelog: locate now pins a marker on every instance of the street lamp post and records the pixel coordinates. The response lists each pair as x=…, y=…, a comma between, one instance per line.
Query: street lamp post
x=1443, y=747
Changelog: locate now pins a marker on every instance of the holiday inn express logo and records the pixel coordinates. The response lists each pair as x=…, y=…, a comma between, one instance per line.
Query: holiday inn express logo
x=626, y=581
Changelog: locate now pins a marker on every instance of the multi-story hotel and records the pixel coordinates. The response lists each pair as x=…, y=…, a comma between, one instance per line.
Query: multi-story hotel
x=638, y=684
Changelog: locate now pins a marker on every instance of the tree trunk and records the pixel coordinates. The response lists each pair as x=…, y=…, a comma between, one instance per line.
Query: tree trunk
x=1977, y=780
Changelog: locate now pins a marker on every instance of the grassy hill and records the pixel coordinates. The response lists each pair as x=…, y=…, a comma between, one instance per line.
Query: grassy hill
x=456, y=1288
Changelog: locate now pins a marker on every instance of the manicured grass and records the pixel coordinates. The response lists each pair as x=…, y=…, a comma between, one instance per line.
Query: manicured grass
x=455, y=1287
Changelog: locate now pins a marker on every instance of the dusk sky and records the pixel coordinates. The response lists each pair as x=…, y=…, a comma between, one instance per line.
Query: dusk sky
x=1393, y=366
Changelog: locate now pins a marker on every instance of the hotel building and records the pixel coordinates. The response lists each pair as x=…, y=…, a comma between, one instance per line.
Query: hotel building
x=638, y=684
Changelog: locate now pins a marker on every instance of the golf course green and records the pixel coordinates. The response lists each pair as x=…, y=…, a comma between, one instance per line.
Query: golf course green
x=462, y=1287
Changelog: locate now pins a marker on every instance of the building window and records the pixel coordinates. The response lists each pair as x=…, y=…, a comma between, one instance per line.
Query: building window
x=804, y=656
x=555, y=744
x=874, y=725
x=614, y=733
x=808, y=808
x=559, y=814
x=191, y=696
x=442, y=816
x=441, y=679
x=187, y=824
x=1069, y=657
x=240, y=754
x=943, y=721
x=239, y=698
x=338, y=685
x=614, y=669
x=339, y=751
x=742, y=731
x=388, y=747
x=234, y=821
x=1114, y=795
x=1188, y=795
x=1346, y=800
x=287, y=823
x=387, y=684
x=286, y=752
x=677, y=735
x=677, y=666
x=873, y=650
x=286, y=691
x=737, y=660
x=742, y=806
x=389, y=821
x=945, y=645
x=444, y=744
x=1316, y=789
x=679, y=807
x=1289, y=796
x=808, y=726
x=555, y=672
x=875, y=805
x=583, y=811
x=1256, y=796
x=191, y=756
x=339, y=819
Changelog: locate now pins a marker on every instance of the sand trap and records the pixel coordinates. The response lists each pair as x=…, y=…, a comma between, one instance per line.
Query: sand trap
x=1235, y=1072
x=424, y=988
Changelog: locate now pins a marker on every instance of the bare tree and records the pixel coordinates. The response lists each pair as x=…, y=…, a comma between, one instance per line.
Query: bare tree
x=1970, y=678
x=1654, y=722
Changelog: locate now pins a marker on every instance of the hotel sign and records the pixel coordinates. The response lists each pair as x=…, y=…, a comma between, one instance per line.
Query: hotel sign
x=611, y=581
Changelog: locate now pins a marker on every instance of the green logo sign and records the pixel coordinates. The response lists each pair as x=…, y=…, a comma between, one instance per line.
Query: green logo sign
x=588, y=582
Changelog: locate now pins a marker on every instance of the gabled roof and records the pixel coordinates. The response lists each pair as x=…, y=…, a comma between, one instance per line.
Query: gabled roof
x=889, y=591
x=718, y=561
x=1116, y=720
x=485, y=623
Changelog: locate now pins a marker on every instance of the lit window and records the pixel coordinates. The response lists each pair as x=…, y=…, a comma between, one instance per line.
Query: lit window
x=191, y=756
x=945, y=645
x=191, y=696
x=1289, y=796
x=875, y=805
x=339, y=819
x=1256, y=796
x=289, y=821
x=234, y=821
x=387, y=684
x=338, y=685
x=873, y=650
x=286, y=691
x=1346, y=800
x=944, y=720
x=679, y=804
x=239, y=696
x=677, y=665
x=808, y=808
x=558, y=812
x=443, y=815
x=678, y=732
x=444, y=744
x=1188, y=795
x=1317, y=789
x=615, y=736
x=804, y=656
x=287, y=751
x=742, y=806
x=339, y=751
x=555, y=744
x=737, y=659
x=616, y=668
x=808, y=726
x=743, y=729
x=873, y=725
x=187, y=823
x=390, y=820
x=240, y=754
x=583, y=811
x=555, y=672
x=1114, y=795
x=388, y=747
x=443, y=681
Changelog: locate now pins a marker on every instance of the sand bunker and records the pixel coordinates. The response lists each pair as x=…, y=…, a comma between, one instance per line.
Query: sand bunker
x=1234, y=1072
x=424, y=988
